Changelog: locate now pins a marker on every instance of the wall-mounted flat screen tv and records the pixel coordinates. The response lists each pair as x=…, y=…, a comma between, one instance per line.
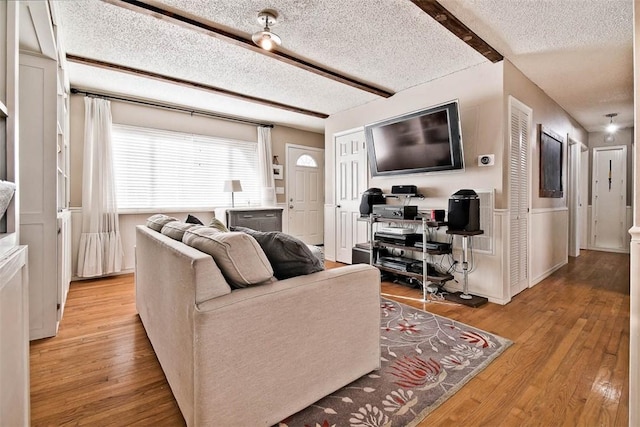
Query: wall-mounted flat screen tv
x=428, y=140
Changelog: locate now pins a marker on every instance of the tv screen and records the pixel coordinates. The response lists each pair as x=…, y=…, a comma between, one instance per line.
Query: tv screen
x=423, y=141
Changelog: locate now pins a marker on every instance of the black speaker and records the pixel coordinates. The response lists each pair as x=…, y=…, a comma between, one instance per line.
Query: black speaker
x=464, y=211
x=373, y=196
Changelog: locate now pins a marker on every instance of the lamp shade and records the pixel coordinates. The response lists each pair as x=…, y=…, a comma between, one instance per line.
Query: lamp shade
x=232, y=185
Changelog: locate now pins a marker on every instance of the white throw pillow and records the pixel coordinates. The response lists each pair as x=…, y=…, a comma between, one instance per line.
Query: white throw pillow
x=238, y=255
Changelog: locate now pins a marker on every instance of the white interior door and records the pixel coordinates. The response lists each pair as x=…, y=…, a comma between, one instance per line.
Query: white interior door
x=305, y=193
x=520, y=127
x=609, y=188
x=351, y=182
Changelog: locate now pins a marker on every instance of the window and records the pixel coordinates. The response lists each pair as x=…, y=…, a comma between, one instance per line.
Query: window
x=306, y=160
x=163, y=170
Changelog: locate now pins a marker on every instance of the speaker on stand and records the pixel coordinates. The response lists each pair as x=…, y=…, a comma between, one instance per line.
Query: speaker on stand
x=464, y=220
x=464, y=211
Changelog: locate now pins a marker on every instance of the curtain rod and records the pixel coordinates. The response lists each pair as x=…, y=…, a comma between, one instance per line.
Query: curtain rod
x=169, y=107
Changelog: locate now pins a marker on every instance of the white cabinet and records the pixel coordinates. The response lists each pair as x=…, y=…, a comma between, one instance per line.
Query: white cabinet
x=44, y=189
x=9, y=223
x=14, y=339
x=14, y=298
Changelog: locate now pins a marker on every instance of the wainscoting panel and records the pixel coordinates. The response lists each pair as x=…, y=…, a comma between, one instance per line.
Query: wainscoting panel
x=549, y=242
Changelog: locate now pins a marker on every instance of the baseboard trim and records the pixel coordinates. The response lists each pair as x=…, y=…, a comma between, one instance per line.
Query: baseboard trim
x=547, y=273
x=119, y=273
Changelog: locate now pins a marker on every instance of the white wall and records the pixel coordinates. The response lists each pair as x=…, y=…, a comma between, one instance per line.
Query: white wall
x=549, y=219
x=483, y=92
x=137, y=115
x=479, y=92
x=623, y=137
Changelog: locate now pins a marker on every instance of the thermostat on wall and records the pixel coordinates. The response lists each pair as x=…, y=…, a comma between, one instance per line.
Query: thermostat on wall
x=486, y=160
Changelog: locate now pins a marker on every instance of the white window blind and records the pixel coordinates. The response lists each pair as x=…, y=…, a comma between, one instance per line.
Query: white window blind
x=163, y=170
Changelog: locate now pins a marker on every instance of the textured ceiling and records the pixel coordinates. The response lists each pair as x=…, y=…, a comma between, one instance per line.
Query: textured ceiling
x=390, y=44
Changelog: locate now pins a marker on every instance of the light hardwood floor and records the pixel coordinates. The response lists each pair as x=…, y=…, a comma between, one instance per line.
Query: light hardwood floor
x=568, y=365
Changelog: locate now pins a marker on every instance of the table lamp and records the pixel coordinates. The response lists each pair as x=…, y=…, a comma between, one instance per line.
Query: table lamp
x=232, y=186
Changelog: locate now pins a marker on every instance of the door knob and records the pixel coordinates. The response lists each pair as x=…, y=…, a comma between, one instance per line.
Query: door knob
x=338, y=206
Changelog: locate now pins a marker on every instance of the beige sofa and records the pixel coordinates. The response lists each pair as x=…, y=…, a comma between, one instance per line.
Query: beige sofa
x=253, y=356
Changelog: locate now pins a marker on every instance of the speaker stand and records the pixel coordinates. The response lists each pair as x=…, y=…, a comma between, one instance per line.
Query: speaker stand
x=465, y=297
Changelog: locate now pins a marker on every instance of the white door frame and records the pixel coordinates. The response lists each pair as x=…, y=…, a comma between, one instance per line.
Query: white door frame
x=288, y=187
x=575, y=149
x=584, y=198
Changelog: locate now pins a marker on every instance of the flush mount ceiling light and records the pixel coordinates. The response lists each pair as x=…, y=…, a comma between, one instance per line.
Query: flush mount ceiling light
x=265, y=38
x=611, y=128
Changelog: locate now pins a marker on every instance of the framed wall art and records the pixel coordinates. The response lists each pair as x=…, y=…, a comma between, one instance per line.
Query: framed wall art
x=277, y=172
x=551, y=162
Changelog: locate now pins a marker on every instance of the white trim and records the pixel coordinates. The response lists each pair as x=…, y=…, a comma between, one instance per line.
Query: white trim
x=547, y=273
x=347, y=132
x=538, y=211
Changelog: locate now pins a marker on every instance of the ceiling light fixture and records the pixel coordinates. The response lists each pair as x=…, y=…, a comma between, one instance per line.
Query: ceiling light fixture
x=611, y=128
x=265, y=38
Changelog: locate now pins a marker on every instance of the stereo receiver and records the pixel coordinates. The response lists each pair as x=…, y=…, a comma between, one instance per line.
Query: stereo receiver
x=395, y=212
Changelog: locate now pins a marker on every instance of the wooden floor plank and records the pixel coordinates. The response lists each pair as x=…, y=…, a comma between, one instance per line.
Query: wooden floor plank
x=568, y=364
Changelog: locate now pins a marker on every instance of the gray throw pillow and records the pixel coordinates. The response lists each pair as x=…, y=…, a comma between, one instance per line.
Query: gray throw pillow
x=238, y=255
x=157, y=221
x=176, y=229
x=193, y=220
x=288, y=256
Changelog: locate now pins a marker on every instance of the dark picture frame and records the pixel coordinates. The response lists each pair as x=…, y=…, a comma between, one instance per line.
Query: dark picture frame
x=551, y=161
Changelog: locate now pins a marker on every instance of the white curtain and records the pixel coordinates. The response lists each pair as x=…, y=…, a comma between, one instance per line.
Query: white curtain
x=265, y=168
x=100, y=251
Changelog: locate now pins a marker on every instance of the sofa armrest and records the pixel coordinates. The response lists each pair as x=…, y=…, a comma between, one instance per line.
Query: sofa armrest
x=266, y=352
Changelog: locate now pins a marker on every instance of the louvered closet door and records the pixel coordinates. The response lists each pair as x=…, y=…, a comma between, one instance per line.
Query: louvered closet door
x=520, y=128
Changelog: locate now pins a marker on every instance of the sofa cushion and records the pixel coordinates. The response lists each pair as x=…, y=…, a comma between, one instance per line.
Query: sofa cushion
x=176, y=229
x=157, y=221
x=238, y=255
x=288, y=255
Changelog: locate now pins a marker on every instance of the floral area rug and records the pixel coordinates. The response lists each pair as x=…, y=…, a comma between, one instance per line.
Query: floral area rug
x=425, y=358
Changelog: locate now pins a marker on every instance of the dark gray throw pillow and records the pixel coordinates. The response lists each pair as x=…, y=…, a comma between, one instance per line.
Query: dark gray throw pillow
x=193, y=220
x=288, y=256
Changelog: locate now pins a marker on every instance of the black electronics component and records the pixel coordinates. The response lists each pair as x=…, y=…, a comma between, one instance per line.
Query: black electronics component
x=398, y=239
x=396, y=262
x=395, y=211
x=464, y=211
x=404, y=189
x=373, y=196
x=434, y=246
